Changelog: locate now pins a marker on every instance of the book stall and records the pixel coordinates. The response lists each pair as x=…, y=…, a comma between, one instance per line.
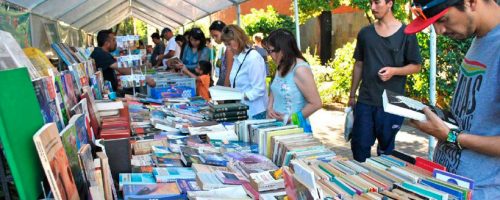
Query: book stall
x=73, y=142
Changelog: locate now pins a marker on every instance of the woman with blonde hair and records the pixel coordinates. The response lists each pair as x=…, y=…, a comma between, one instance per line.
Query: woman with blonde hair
x=248, y=73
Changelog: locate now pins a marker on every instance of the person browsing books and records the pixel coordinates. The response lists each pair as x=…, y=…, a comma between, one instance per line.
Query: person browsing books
x=106, y=43
x=203, y=77
x=158, y=49
x=171, y=49
x=293, y=89
x=225, y=58
x=472, y=150
x=196, y=50
x=384, y=57
x=248, y=73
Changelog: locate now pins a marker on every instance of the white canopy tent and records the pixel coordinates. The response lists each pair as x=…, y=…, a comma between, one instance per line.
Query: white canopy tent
x=93, y=15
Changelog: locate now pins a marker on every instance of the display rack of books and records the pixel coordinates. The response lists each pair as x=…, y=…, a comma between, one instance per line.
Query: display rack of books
x=132, y=60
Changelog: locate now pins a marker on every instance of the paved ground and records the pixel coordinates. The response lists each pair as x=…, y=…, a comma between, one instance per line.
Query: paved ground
x=328, y=126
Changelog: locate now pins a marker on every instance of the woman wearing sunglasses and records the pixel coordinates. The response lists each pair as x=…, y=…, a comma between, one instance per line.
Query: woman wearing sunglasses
x=293, y=89
x=248, y=73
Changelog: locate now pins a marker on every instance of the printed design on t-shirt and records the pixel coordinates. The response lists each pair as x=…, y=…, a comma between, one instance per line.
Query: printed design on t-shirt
x=463, y=108
x=448, y=155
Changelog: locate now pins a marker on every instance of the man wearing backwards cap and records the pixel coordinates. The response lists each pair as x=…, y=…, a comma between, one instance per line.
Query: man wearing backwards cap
x=473, y=150
x=384, y=57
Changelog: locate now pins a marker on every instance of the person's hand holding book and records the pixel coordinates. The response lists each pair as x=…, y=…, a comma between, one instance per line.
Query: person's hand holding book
x=433, y=125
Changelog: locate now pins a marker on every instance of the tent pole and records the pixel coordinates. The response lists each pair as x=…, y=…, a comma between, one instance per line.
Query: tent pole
x=238, y=14
x=297, y=28
x=432, y=83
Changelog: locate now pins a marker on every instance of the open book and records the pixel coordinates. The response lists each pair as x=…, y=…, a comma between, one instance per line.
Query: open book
x=406, y=107
x=220, y=93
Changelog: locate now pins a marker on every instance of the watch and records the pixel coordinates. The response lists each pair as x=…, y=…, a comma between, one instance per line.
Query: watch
x=453, y=137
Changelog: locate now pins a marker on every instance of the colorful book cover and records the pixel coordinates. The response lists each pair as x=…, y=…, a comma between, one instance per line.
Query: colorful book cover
x=46, y=99
x=171, y=174
x=230, y=178
x=213, y=159
x=69, y=140
x=159, y=191
x=55, y=162
x=135, y=179
x=186, y=185
x=87, y=163
x=60, y=95
x=81, y=130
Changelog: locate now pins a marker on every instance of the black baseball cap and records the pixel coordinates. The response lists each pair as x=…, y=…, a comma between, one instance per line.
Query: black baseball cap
x=427, y=12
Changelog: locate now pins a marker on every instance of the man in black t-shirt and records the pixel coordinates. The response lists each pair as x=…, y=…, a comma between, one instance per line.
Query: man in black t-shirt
x=384, y=56
x=106, y=43
x=158, y=50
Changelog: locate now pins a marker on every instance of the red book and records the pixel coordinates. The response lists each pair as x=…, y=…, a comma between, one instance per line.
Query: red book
x=251, y=191
x=115, y=133
x=428, y=165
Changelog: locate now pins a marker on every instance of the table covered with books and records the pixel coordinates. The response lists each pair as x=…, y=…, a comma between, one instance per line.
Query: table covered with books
x=187, y=148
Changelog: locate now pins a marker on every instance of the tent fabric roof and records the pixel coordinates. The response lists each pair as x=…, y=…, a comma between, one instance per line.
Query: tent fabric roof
x=94, y=15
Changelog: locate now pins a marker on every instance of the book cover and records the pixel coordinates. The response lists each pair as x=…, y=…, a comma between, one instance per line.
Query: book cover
x=187, y=185
x=213, y=159
x=221, y=93
x=136, y=179
x=187, y=153
x=159, y=191
x=94, y=122
x=206, y=129
x=12, y=56
x=228, y=107
x=107, y=179
x=69, y=140
x=230, y=178
x=231, y=119
x=400, y=105
x=427, y=164
x=45, y=94
x=171, y=174
x=87, y=164
x=119, y=153
x=167, y=162
x=453, y=178
x=227, y=114
x=81, y=130
x=55, y=162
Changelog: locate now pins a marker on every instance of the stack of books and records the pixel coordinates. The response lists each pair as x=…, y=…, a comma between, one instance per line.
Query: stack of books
x=228, y=112
x=377, y=178
x=117, y=125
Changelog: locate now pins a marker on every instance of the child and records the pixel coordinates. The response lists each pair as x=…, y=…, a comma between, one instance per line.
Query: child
x=203, y=80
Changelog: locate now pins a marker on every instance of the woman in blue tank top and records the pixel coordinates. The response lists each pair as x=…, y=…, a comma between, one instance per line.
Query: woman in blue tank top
x=293, y=89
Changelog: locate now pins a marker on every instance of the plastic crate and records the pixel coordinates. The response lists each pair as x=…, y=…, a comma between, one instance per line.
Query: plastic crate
x=172, y=92
x=163, y=85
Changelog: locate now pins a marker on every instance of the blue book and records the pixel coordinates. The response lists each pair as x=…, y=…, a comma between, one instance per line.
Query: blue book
x=171, y=174
x=159, y=191
x=136, y=179
x=213, y=159
x=455, y=193
x=186, y=185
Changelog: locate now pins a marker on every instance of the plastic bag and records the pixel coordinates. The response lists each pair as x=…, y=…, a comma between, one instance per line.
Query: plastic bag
x=349, y=121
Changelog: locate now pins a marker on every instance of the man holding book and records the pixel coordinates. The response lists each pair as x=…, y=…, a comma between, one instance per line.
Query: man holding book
x=384, y=57
x=473, y=150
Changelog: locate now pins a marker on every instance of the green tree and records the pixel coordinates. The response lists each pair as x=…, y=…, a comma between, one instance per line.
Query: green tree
x=450, y=52
x=265, y=21
x=126, y=27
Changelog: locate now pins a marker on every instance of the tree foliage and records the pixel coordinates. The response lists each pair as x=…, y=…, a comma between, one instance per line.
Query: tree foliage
x=450, y=54
x=126, y=27
x=265, y=21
